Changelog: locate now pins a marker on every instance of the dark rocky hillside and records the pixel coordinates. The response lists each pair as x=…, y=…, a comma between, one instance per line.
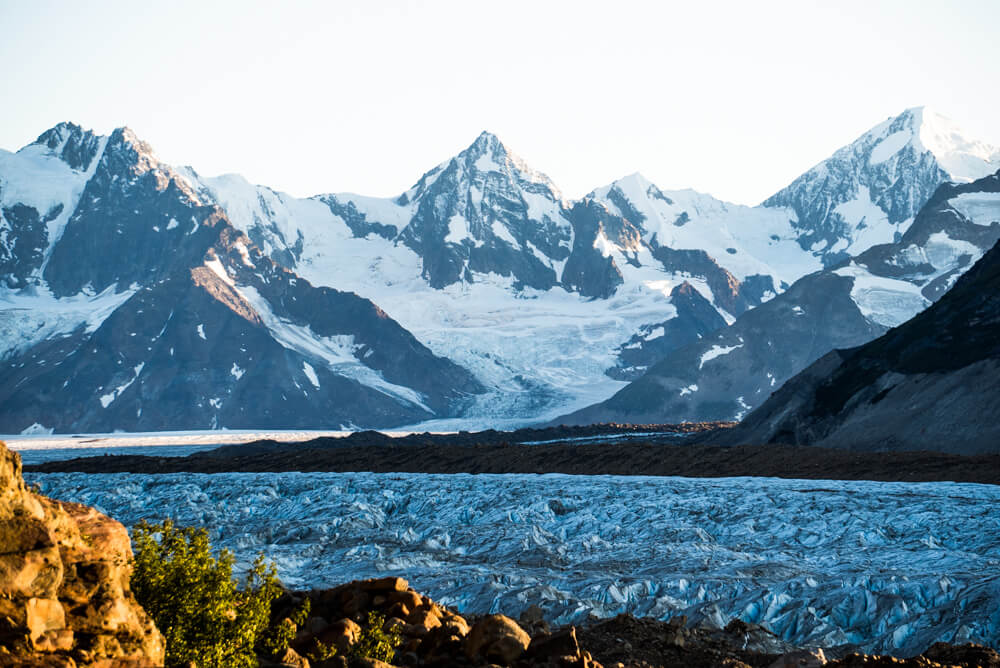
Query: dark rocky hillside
x=932, y=383
x=733, y=370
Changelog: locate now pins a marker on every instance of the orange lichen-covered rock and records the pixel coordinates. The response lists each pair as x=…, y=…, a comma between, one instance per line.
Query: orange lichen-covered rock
x=64, y=584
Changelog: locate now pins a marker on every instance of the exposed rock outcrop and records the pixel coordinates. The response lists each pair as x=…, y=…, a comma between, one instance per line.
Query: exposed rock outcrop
x=431, y=634
x=64, y=584
x=434, y=635
x=914, y=388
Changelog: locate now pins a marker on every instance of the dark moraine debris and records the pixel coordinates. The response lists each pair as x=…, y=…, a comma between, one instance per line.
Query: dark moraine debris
x=652, y=453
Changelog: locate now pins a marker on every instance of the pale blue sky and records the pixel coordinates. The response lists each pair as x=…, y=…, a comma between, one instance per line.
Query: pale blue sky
x=731, y=98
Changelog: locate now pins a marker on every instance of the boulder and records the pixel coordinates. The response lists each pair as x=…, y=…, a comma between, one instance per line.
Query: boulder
x=342, y=634
x=64, y=584
x=425, y=617
x=805, y=658
x=497, y=638
x=384, y=585
x=292, y=659
x=560, y=643
x=368, y=662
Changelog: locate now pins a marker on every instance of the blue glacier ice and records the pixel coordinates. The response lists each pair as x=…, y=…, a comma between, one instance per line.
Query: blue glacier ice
x=885, y=566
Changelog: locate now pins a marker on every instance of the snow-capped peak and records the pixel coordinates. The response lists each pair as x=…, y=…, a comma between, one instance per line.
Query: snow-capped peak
x=868, y=192
x=486, y=155
x=487, y=141
x=923, y=130
x=489, y=154
x=964, y=159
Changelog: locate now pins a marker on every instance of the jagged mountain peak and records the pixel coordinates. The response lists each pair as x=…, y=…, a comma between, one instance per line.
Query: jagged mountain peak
x=635, y=181
x=921, y=130
x=635, y=186
x=925, y=130
x=487, y=141
x=69, y=142
x=59, y=133
x=485, y=156
x=125, y=137
x=869, y=191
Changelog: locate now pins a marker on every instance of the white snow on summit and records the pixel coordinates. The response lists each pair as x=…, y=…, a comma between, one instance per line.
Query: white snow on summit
x=962, y=158
x=763, y=238
x=37, y=177
x=925, y=130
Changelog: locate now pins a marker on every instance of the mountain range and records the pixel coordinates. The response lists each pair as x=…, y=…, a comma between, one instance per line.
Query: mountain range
x=137, y=295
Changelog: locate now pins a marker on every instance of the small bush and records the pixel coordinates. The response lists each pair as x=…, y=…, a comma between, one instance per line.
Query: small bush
x=374, y=642
x=322, y=652
x=204, y=615
x=279, y=635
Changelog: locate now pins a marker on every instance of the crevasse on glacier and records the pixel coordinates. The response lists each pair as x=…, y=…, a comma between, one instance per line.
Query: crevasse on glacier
x=886, y=566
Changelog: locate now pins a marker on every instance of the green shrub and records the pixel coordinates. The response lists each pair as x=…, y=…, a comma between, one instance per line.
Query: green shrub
x=278, y=636
x=204, y=615
x=322, y=652
x=374, y=642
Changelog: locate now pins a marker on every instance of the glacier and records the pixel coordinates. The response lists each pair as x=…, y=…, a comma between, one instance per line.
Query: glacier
x=880, y=566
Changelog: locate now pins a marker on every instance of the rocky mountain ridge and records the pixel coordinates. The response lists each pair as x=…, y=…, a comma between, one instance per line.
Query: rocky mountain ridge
x=480, y=255
x=202, y=330
x=735, y=369
x=929, y=384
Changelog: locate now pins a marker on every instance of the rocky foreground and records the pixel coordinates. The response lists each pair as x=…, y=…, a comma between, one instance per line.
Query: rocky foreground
x=64, y=584
x=434, y=635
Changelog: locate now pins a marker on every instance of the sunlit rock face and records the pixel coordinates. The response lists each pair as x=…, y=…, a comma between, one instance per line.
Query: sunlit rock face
x=64, y=583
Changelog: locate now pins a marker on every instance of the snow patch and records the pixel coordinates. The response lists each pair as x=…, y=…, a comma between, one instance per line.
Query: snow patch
x=979, y=208
x=500, y=231
x=485, y=163
x=655, y=333
x=244, y=254
x=458, y=230
x=107, y=399
x=36, y=429
x=310, y=373
x=215, y=265
x=889, y=146
x=885, y=301
x=717, y=351
x=604, y=245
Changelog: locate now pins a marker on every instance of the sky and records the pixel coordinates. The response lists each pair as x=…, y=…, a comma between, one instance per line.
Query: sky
x=734, y=99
